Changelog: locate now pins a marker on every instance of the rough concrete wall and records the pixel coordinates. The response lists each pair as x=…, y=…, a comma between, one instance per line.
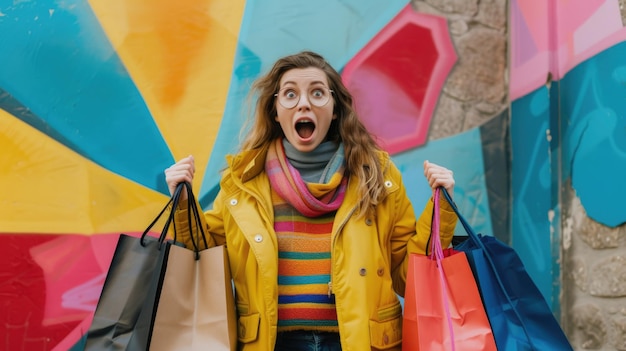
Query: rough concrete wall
x=476, y=89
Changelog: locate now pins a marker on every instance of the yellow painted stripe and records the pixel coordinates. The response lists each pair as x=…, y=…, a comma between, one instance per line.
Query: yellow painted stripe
x=180, y=54
x=48, y=188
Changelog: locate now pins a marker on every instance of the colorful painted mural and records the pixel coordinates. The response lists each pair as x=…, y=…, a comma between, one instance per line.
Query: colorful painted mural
x=98, y=97
x=567, y=93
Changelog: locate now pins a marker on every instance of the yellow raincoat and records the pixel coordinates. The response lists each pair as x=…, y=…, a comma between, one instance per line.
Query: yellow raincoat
x=369, y=255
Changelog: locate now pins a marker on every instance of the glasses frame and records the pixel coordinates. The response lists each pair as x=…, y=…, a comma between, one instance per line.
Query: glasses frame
x=300, y=95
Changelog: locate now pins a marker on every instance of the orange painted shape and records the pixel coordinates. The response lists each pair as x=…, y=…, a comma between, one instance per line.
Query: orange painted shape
x=180, y=54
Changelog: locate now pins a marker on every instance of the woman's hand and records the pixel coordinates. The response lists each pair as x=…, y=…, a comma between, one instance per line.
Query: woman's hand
x=439, y=176
x=181, y=171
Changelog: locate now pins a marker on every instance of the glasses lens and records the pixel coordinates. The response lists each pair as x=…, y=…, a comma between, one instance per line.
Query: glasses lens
x=319, y=96
x=289, y=98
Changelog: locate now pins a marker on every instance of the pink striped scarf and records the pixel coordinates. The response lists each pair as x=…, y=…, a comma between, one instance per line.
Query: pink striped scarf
x=310, y=199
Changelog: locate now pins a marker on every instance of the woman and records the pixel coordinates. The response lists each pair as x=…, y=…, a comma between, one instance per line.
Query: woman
x=315, y=218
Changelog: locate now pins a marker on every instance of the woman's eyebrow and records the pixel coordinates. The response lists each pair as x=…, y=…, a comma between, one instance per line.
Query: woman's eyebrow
x=315, y=82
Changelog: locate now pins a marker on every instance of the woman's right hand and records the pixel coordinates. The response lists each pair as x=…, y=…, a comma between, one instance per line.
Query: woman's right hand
x=181, y=171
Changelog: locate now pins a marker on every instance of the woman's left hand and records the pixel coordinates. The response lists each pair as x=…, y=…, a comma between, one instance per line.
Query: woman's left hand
x=437, y=176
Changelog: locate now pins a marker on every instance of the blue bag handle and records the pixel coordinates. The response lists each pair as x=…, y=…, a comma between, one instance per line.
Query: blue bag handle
x=476, y=240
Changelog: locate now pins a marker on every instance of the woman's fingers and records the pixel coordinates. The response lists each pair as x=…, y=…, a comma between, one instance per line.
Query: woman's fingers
x=437, y=176
x=181, y=171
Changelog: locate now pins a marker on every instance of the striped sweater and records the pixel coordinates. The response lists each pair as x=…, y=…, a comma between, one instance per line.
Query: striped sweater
x=303, y=269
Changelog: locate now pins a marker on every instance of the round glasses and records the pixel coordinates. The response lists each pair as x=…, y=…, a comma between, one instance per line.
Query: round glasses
x=289, y=97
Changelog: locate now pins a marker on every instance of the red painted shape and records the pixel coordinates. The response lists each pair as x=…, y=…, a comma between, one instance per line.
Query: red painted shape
x=49, y=287
x=397, y=77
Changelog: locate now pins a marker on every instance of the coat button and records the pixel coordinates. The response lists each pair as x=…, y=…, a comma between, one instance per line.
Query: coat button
x=368, y=221
x=362, y=271
x=388, y=183
x=258, y=238
x=380, y=272
x=233, y=202
x=385, y=339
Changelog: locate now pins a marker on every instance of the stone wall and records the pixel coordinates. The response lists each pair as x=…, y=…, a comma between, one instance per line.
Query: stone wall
x=594, y=279
x=476, y=89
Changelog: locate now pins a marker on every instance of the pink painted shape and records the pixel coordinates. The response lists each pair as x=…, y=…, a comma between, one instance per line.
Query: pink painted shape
x=582, y=29
x=49, y=287
x=73, y=274
x=396, y=78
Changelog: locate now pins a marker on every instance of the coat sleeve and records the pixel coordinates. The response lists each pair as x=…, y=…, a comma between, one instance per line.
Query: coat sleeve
x=411, y=236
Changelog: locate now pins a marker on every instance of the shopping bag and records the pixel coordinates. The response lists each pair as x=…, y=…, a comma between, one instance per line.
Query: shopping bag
x=442, y=307
x=138, y=285
x=122, y=320
x=196, y=310
x=520, y=317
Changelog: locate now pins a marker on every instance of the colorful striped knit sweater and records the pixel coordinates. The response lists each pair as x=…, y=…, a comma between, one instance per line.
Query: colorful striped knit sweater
x=303, y=269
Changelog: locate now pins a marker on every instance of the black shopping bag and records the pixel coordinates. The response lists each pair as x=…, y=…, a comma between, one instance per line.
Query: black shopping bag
x=125, y=315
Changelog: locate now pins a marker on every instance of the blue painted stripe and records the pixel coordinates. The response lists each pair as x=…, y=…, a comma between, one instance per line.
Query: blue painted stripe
x=64, y=71
x=462, y=153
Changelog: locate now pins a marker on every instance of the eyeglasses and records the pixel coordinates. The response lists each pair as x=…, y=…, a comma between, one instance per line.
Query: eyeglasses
x=289, y=97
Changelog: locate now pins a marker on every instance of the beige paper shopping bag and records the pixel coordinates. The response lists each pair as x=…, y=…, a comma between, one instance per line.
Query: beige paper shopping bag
x=196, y=309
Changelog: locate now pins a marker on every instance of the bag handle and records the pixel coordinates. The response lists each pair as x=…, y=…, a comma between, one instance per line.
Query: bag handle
x=174, y=201
x=173, y=204
x=476, y=240
x=193, y=213
x=437, y=255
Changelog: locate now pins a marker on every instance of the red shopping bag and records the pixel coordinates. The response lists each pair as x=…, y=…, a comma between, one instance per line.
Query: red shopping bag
x=442, y=306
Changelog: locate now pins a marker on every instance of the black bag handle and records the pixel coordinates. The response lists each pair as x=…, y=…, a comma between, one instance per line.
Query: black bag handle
x=174, y=201
x=192, y=213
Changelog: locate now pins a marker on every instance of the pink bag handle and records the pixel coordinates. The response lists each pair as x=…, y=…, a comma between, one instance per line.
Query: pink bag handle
x=436, y=253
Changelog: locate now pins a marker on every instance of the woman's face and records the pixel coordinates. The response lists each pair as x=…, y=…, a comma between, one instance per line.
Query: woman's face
x=304, y=106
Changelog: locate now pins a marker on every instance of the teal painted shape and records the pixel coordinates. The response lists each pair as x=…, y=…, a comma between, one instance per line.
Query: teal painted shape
x=80, y=345
x=61, y=76
x=461, y=153
x=594, y=134
x=275, y=28
x=532, y=186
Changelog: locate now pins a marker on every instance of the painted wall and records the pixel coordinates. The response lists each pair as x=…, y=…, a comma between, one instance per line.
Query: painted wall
x=568, y=132
x=98, y=97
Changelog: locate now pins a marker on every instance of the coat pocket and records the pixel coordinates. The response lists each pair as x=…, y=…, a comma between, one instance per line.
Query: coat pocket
x=386, y=331
x=248, y=327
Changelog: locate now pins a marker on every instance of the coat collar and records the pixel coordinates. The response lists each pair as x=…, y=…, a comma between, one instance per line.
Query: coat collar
x=248, y=164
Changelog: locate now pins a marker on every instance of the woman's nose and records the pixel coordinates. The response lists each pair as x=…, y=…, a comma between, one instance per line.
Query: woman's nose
x=304, y=102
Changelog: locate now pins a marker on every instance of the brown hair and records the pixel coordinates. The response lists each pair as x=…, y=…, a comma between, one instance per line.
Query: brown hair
x=362, y=160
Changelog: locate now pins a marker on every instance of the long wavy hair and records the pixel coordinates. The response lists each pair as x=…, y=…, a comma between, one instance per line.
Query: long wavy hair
x=362, y=160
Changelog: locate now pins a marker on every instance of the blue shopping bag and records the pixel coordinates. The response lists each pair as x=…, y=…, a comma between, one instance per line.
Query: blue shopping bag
x=520, y=317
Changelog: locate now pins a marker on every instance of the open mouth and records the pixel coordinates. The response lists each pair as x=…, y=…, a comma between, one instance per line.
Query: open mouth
x=305, y=128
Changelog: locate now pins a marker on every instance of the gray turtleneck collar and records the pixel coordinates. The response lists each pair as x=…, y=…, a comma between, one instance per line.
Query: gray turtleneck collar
x=311, y=165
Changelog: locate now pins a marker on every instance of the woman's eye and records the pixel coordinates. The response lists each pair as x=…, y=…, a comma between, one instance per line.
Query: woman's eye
x=317, y=93
x=290, y=94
